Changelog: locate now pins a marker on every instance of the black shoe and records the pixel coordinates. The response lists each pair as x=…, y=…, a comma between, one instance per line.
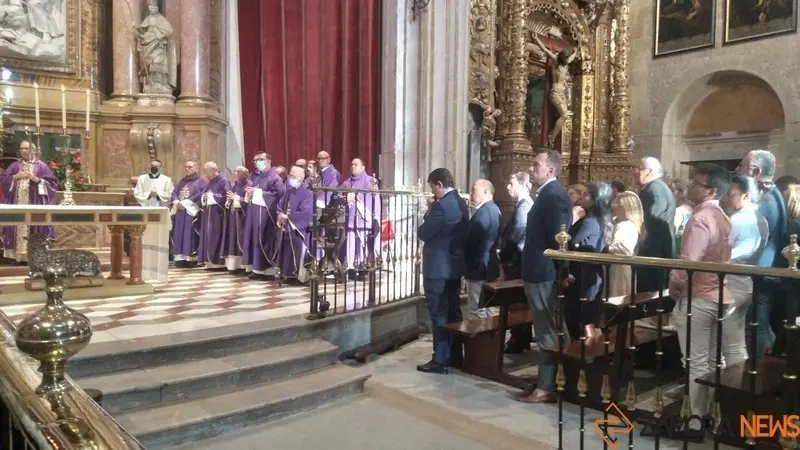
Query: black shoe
x=515, y=347
x=432, y=367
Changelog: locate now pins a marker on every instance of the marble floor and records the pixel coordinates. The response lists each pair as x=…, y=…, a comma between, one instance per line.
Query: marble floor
x=196, y=299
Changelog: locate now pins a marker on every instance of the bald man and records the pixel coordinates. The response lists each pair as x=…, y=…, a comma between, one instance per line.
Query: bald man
x=294, y=217
x=186, y=198
x=301, y=163
x=480, y=250
x=233, y=233
x=328, y=177
x=212, y=219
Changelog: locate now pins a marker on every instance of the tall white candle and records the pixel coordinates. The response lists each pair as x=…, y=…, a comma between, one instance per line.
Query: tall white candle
x=88, y=108
x=63, y=107
x=36, y=103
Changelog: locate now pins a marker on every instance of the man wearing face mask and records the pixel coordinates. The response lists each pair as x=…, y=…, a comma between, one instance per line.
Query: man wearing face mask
x=264, y=189
x=186, y=198
x=294, y=217
x=153, y=188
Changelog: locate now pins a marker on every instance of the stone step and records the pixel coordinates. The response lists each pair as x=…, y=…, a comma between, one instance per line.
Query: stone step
x=193, y=420
x=139, y=388
x=110, y=357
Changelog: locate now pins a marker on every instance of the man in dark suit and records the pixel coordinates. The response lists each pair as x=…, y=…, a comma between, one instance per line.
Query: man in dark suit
x=551, y=210
x=480, y=250
x=443, y=232
x=767, y=308
x=513, y=241
x=658, y=205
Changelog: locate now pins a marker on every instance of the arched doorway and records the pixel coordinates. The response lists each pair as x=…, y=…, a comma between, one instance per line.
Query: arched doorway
x=719, y=118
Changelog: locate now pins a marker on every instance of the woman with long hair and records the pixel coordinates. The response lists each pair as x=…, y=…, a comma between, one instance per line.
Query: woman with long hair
x=628, y=227
x=591, y=233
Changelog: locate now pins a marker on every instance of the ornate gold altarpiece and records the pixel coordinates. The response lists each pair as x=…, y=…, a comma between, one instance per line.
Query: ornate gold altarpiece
x=509, y=79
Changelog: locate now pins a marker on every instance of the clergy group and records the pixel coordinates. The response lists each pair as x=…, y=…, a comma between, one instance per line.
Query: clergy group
x=260, y=223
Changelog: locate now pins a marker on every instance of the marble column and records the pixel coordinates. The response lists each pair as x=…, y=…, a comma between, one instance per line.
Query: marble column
x=135, y=254
x=116, y=232
x=442, y=94
x=195, y=51
x=399, y=124
x=125, y=15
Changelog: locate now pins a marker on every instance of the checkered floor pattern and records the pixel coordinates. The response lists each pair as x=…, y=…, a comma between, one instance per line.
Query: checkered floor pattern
x=196, y=299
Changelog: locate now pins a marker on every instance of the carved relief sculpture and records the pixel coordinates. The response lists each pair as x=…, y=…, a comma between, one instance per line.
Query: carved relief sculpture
x=33, y=29
x=558, y=89
x=157, y=54
x=483, y=70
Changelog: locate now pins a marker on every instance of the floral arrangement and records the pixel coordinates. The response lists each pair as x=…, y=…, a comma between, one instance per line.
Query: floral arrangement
x=68, y=163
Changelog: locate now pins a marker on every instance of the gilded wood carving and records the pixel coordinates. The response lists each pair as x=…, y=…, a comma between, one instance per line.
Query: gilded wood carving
x=594, y=137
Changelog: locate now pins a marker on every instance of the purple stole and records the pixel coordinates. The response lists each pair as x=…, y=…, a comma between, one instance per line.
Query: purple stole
x=293, y=250
x=259, y=233
x=363, y=223
x=233, y=234
x=211, y=222
x=25, y=192
x=186, y=229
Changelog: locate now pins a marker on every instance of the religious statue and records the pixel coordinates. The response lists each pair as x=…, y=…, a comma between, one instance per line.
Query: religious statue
x=490, y=116
x=33, y=29
x=157, y=53
x=558, y=89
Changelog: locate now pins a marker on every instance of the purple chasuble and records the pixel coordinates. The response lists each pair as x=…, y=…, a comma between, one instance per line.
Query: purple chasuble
x=233, y=235
x=363, y=223
x=212, y=220
x=186, y=228
x=259, y=229
x=292, y=253
x=26, y=192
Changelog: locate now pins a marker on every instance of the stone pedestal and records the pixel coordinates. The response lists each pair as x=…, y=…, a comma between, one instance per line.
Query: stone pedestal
x=195, y=44
x=125, y=15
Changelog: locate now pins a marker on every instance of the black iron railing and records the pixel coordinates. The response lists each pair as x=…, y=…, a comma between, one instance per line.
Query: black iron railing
x=754, y=404
x=364, y=249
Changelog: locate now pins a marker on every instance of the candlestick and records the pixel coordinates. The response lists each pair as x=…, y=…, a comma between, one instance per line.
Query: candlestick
x=36, y=103
x=63, y=108
x=88, y=108
x=68, y=200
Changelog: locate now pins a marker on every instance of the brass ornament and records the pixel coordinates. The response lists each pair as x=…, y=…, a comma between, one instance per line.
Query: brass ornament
x=583, y=385
x=53, y=334
x=563, y=238
x=792, y=252
x=561, y=378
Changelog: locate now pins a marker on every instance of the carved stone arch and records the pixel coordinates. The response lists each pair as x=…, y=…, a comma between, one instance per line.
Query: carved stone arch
x=571, y=16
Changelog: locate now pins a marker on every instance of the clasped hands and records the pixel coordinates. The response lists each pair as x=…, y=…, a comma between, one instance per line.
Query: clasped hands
x=282, y=219
x=26, y=176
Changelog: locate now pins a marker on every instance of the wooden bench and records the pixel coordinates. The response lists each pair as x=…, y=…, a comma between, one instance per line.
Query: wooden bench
x=618, y=313
x=484, y=338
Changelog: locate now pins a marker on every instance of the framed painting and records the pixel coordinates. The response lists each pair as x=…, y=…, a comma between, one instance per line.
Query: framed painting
x=40, y=35
x=684, y=26
x=754, y=19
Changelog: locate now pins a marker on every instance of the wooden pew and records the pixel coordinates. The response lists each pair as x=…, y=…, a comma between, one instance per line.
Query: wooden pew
x=617, y=312
x=484, y=339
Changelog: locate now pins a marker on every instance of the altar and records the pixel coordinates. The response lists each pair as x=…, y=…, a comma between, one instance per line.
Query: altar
x=148, y=228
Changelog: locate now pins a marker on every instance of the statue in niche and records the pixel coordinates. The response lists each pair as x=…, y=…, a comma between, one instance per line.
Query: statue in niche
x=157, y=54
x=534, y=106
x=558, y=90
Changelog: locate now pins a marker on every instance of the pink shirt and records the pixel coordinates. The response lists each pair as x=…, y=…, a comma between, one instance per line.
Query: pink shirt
x=707, y=237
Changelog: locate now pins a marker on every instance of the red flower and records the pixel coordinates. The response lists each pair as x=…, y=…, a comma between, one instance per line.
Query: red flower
x=80, y=181
x=77, y=159
x=54, y=164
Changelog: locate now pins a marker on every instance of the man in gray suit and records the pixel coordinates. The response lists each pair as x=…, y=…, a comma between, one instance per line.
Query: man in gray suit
x=658, y=204
x=512, y=243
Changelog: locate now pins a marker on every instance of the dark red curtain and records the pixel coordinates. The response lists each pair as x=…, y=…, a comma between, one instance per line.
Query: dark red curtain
x=317, y=81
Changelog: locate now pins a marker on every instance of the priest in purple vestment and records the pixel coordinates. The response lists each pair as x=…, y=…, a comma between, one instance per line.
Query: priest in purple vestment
x=327, y=176
x=26, y=182
x=363, y=221
x=294, y=217
x=212, y=218
x=261, y=195
x=186, y=198
x=233, y=233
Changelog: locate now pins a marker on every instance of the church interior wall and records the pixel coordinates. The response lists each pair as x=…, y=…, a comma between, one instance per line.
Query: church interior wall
x=666, y=92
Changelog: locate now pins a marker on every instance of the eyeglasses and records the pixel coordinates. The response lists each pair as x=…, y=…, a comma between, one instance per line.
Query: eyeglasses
x=696, y=183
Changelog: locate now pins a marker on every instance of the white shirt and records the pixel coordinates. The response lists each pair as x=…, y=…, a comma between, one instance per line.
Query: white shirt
x=162, y=184
x=544, y=184
x=481, y=204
